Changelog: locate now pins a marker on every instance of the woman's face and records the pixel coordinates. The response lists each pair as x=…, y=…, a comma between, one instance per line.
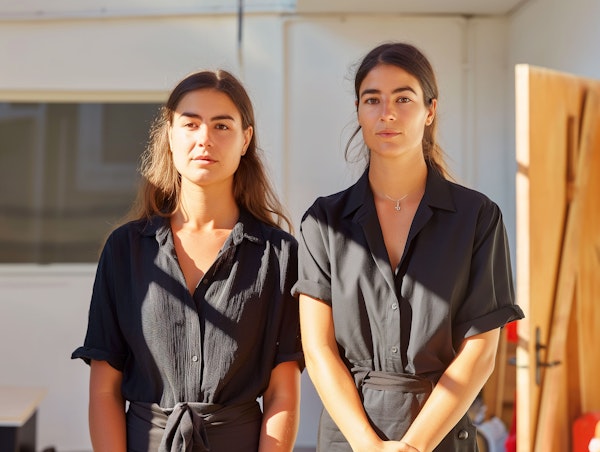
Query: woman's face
x=392, y=113
x=207, y=138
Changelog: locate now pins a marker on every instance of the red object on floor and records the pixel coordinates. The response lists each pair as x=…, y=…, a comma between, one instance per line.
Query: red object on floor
x=510, y=445
x=583, y=430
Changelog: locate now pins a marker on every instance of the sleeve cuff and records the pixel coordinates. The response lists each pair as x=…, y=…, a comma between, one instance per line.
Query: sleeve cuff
x=298, y=357
x=312, y=289
x=488, y=322
x=88, y=354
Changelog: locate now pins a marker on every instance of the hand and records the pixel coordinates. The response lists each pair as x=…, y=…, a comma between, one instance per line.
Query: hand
x=405, y=447
x=396, y=446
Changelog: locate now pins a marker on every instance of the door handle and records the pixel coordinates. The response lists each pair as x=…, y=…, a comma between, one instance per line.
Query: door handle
x=539, y=364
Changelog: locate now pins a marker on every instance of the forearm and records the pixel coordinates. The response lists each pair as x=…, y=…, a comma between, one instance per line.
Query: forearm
x=454, y=393
x=281, y=409
x=107, y=409
x=332, y=380
x=280, y=426
x=340, y=397
x=107, y=423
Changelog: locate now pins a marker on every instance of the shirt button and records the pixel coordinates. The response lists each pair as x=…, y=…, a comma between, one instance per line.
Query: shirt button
x=394, y=349
x=195, y=358
x=394, y=306
x=205, y=281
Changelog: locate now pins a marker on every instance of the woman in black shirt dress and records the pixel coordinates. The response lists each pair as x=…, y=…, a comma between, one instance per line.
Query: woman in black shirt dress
x=191, y=317
x=404, y=279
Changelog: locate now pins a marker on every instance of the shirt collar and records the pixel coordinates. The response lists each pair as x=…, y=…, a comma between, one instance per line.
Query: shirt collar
x=437, y=194
x=247, y=227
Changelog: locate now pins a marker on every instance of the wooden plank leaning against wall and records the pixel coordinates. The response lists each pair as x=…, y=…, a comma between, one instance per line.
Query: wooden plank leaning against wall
x=558, y=255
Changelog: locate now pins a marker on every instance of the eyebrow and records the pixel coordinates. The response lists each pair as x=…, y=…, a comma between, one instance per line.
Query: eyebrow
x=397, y=90
x=214, y=118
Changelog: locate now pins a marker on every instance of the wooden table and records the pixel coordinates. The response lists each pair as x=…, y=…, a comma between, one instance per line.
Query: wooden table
x=18, y=412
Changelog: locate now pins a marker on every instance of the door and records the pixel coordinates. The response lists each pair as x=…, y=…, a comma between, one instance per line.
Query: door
x=558, y=255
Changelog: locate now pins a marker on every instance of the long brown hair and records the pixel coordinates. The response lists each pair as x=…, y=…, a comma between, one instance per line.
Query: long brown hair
x=161, y=183
x=412, y=60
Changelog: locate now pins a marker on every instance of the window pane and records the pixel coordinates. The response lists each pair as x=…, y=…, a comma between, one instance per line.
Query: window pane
x=68, y=174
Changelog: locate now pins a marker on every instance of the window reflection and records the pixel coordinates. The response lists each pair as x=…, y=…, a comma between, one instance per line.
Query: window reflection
x=68, y=174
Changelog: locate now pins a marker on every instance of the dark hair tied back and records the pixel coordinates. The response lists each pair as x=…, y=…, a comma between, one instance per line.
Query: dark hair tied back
x=412, y=60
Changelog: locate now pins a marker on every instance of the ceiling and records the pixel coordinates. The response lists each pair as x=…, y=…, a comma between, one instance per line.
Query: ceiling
x=460, y=7
x=40, y=9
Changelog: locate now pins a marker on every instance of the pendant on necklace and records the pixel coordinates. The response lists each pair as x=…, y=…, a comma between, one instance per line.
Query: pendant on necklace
x=397, y=207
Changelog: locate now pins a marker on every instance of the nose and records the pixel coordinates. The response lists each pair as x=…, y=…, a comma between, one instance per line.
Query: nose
x=387, y=111
x=202, y=138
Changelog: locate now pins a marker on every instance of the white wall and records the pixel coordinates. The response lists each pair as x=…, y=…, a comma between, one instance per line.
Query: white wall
x=321, y=52
x=554, y=34
x=559, y=35
x=42, y=319
x=298, y=72
x=146, y=54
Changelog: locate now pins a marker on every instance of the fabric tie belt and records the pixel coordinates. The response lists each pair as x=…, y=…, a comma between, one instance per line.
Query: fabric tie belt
x=390, y=381
x=185, y=424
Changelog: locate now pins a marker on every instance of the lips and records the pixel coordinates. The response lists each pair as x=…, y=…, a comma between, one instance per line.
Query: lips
x=387, y=133
x=203, y=159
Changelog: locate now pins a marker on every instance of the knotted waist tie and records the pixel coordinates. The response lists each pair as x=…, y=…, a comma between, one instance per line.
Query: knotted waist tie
x=185, y=424
x=390, y=381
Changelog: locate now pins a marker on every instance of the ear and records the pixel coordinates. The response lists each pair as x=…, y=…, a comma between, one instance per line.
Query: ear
x=357, y=113
x=431, y=112
x=247, y=137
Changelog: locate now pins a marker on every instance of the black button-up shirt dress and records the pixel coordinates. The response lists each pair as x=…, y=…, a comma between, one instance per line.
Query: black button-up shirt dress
x=216, y=347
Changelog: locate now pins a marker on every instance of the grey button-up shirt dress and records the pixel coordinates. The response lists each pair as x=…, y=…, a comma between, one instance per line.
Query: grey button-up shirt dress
x=454, y=281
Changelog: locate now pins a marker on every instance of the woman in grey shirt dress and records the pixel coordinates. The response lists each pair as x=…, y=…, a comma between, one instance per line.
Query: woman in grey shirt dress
x=192, y=317
x=404, y=278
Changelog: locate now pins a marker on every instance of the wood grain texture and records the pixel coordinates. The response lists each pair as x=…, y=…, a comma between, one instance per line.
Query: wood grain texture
x=556, y=148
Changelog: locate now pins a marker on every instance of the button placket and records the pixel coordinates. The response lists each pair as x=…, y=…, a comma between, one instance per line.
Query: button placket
x=393, y=330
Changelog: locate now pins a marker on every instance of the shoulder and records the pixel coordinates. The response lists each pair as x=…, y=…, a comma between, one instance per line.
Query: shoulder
x=330, y=206
x=135, y=230
x=258, y=231
x=276, y=235
x=474, y=204
x=279, y=245
x=470, y=197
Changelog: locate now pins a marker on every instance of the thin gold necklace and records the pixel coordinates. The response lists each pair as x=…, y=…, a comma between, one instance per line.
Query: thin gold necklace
x=397, y=201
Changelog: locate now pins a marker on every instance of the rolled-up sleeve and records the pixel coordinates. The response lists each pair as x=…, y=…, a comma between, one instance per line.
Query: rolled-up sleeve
x=490, y=299
x=314, y=268
x=289, y=347
x=103, y=341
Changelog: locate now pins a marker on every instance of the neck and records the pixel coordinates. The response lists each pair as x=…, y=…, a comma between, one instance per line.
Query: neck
x=398, y=178
x=205, y=208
